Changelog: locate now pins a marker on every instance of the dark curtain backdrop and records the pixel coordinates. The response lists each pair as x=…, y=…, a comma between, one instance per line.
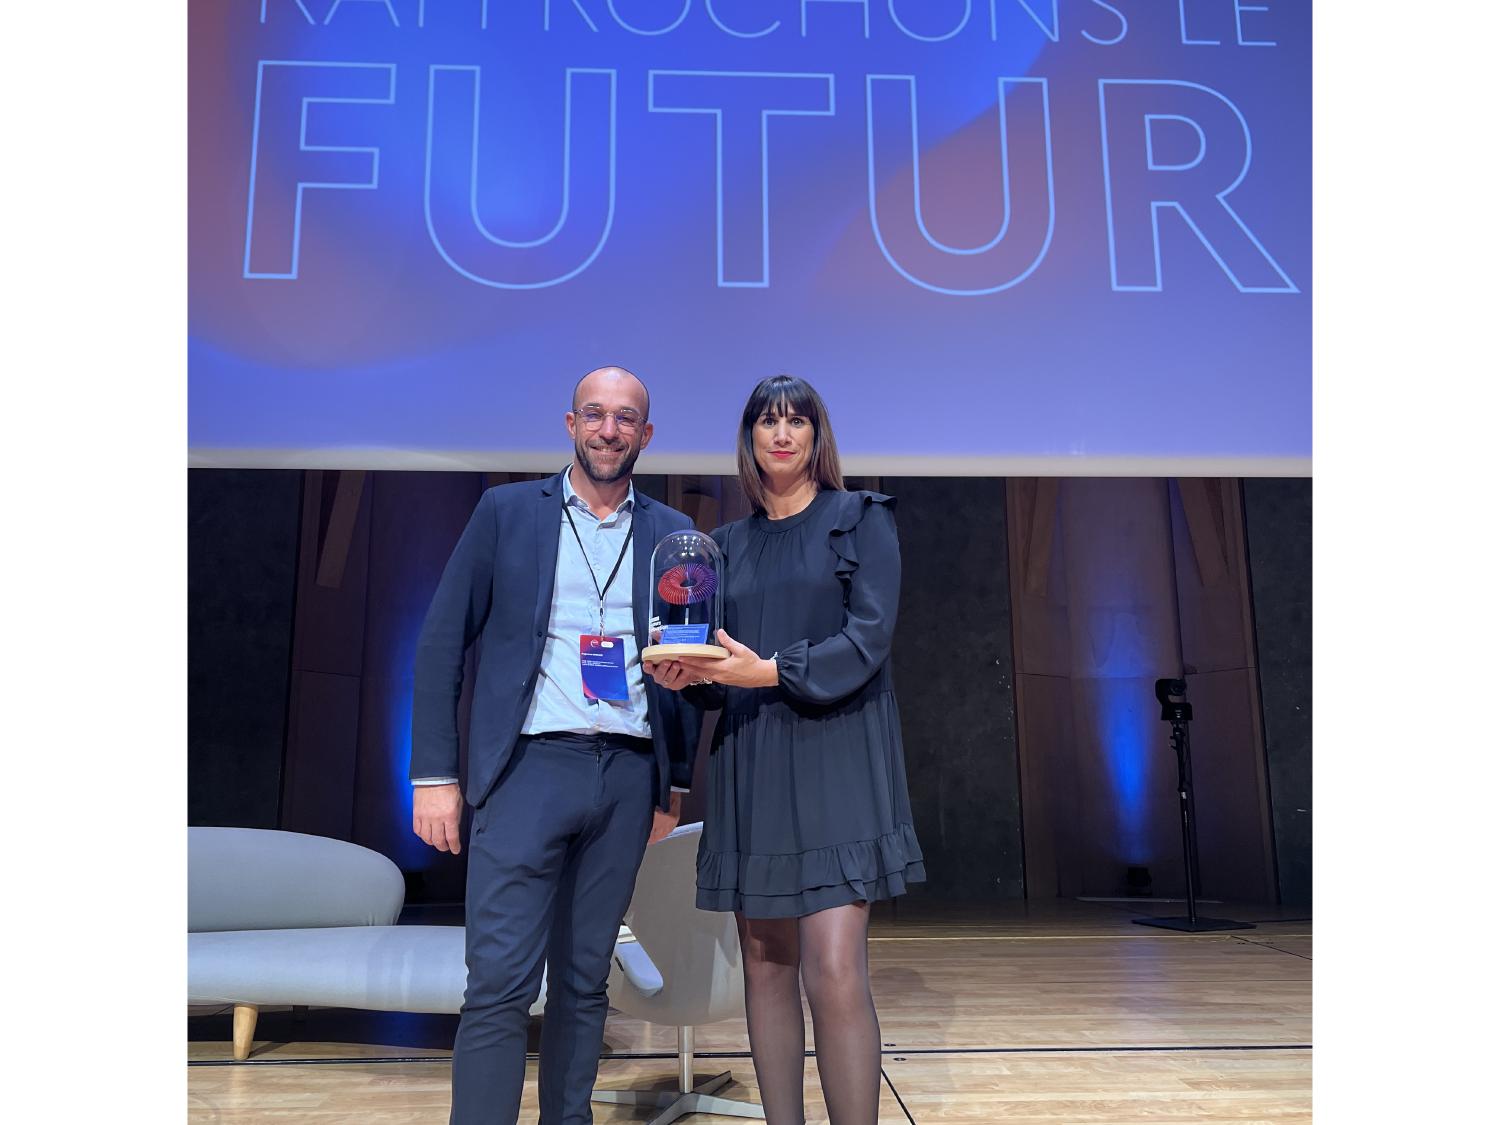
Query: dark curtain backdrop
x=306, y=590
x=242, y=569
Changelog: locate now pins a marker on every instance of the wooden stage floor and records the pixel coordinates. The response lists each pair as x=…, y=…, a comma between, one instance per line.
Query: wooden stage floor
x=1058, y=1012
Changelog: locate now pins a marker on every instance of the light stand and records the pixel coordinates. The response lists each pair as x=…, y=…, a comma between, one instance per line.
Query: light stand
x=1179, y=712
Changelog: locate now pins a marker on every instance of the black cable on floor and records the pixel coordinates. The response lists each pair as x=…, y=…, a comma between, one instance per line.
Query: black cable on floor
x=895, y=1093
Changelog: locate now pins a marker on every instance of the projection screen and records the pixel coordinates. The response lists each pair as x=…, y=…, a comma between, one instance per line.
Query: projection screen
x=1000, y=236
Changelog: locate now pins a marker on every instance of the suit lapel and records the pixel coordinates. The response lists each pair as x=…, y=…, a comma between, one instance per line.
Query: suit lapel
x=640, y=600
x=640, y=561
x=548, y=521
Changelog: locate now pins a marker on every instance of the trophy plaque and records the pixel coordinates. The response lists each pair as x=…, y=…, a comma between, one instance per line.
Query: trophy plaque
x=687, y=599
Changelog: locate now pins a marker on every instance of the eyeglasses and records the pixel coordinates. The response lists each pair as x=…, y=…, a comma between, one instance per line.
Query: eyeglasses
x=627, y=420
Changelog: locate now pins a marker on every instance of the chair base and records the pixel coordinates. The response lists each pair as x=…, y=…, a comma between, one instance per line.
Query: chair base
x=674, y=1104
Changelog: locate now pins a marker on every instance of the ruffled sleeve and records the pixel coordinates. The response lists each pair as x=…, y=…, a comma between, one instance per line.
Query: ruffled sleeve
x=710, y=697
x=868, y=563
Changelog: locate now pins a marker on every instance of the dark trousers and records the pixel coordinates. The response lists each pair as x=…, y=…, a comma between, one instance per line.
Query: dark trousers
x=552, y=862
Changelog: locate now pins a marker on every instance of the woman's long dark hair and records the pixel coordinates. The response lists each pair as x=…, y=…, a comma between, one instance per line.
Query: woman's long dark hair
x=779, y=396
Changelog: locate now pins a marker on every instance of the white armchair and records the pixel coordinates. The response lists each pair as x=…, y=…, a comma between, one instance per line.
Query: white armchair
x=698, y=978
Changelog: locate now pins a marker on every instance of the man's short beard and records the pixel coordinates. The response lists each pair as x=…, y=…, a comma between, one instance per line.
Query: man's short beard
x=585, y=459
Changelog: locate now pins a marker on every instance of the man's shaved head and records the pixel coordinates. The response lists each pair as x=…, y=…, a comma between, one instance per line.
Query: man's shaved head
x=616, y=405
x=605, y=385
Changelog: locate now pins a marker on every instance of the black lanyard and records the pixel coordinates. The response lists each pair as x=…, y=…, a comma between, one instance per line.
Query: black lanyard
x=608, y=582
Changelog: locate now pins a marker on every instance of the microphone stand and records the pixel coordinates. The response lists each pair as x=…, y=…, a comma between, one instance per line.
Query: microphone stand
x=1179, y=712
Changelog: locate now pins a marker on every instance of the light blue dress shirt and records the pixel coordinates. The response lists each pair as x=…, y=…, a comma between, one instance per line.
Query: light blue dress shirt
x=558, y=704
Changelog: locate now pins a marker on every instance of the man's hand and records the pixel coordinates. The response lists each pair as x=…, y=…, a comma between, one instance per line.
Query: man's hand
x=434, y=815
x=669, y=674
x=664, y=822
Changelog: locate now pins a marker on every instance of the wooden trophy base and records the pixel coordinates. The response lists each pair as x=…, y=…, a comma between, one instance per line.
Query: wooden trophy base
x=653, y=654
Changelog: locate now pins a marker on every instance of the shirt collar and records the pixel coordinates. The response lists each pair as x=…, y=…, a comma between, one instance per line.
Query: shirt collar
x=573, y=500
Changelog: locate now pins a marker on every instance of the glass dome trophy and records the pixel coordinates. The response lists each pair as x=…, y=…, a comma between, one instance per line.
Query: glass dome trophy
x=687, y=600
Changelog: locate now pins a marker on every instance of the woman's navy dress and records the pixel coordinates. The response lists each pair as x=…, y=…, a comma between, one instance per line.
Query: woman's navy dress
x=807, y=799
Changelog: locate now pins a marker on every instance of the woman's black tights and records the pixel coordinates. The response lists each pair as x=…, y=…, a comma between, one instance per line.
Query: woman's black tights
x=828, y=951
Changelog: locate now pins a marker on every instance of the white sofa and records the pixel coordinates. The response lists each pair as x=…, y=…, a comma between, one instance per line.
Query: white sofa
x=281, y=918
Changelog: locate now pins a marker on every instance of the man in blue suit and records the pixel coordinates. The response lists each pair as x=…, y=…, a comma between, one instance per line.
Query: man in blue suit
x=575, y=757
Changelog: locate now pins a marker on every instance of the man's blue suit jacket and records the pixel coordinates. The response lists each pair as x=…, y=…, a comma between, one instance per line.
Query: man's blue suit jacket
x=497, y=589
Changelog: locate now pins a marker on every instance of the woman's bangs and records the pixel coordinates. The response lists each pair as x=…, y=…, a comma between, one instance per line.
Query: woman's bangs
x=781, y=397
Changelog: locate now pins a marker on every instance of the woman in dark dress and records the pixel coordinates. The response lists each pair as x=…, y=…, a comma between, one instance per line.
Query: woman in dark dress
x=808, y=816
